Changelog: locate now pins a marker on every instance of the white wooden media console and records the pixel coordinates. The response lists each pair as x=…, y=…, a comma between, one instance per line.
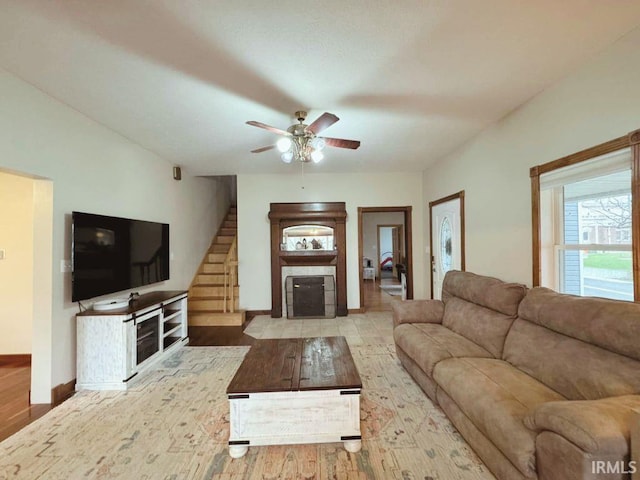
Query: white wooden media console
x=114, y=347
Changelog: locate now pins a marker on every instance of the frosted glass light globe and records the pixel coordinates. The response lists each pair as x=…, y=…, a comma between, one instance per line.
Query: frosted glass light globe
x=316, y=156
x=284, y=144
x=318, y=143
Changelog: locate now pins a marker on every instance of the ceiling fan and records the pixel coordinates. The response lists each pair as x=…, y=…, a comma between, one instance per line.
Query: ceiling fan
x=301, y=142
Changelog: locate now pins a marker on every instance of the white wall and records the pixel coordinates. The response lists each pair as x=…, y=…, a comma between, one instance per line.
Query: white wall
x=386, y=243
x=256, y=192
x=597, y=103
x=96, y=170
x=16, y=270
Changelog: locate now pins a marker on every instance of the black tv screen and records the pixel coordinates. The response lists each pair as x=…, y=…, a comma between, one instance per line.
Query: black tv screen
x=111, y=254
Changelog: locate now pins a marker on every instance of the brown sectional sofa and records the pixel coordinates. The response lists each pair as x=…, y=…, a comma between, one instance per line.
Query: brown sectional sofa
x=542, y=385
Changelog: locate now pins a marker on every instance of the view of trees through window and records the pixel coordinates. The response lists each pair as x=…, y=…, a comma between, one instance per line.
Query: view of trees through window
x=595, y=258
x=585, y=240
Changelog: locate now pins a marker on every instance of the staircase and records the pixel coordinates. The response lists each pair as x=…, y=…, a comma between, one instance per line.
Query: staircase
x=213, y=295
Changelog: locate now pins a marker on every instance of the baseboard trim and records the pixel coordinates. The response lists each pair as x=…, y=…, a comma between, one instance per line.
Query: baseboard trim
x=254, y=313
x=16, y=360
x=355, y=310
x=62, y=392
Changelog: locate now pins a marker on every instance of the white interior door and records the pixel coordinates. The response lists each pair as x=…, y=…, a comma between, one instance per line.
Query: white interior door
x=446, y=248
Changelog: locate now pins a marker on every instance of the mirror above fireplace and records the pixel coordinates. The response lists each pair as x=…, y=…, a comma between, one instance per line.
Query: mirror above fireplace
x=307, y=237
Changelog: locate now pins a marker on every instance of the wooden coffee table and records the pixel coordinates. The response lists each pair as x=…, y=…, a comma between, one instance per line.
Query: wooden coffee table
x=295, y=390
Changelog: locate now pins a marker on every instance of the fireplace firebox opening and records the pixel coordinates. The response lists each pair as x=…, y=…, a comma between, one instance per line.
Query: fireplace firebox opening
x=310, y=296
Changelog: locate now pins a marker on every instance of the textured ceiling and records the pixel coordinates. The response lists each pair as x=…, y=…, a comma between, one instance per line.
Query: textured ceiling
x=411, y=80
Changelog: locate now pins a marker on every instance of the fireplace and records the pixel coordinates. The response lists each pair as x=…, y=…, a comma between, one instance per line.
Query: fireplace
x=322, y=225
x=310, y=296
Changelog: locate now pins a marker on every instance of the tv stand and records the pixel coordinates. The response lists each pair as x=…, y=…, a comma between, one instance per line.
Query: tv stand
x=115, y=346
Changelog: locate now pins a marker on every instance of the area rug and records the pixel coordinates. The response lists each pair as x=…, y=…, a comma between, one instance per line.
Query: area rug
x=174, y=424
x=395, y=290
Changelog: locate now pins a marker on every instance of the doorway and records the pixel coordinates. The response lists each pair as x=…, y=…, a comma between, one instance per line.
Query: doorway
x=446, y=238
x=385, y=256
x=27, y=257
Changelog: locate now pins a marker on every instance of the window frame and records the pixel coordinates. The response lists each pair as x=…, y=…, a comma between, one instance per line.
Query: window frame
x=632, y=141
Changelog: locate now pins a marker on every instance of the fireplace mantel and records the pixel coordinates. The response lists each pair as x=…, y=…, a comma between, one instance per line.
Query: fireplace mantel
x=330, y=214
x=309, y=258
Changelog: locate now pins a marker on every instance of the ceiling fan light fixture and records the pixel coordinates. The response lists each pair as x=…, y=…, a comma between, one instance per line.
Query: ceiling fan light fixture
x=286, y=157
x=284, y=144
x=318, y=143
x=300, y=142
x=317, y=156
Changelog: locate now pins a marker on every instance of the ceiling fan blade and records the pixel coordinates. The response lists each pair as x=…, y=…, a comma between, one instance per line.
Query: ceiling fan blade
x=263, y=149
x=342, y=143
x=268, y=127
x=323, y=121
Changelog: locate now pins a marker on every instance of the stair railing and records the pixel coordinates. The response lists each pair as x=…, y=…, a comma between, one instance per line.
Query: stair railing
x=230, y=267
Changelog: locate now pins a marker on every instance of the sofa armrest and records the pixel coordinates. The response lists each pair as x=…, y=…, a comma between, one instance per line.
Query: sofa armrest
x=597, y=426
x=635, y=443
x=417, y=311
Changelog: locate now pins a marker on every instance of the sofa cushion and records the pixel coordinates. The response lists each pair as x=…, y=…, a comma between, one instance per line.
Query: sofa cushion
x=429, y=343
x=610, y=324
x=489, y=292
x=596, y=426
x=480, y=308
x=576, y=369
x=417, y=311
x=496, y=397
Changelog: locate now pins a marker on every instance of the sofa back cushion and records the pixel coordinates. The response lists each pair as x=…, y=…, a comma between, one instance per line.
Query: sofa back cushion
x=480, y=308
x=584, y=348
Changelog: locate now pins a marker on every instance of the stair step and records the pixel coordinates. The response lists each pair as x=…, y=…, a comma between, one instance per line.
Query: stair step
x=214, y=318
x=208, y=268
x=209, y=278
x=216, y=257
x=216, y=268
x=224, y=239
x=204, y=303
x=231, y=216
x=230, y=224
x=212, y=291
x=227, y=231
x=219, y=248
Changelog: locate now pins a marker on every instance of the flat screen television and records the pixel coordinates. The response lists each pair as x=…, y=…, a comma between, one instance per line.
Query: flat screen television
x=112, y=254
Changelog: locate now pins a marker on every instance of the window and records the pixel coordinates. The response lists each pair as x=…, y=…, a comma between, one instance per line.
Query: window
x=583, y=232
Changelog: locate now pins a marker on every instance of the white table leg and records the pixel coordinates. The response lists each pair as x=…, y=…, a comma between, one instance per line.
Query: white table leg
x=237, y=451
x=353, y=446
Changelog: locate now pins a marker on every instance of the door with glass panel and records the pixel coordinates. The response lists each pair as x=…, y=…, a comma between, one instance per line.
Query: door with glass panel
x=446, y=239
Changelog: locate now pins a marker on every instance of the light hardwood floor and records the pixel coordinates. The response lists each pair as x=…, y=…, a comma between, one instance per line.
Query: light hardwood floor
x=376, y=299
x=15, y=411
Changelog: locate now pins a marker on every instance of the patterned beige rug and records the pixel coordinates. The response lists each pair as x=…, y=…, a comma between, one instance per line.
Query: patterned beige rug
x=174, y=424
